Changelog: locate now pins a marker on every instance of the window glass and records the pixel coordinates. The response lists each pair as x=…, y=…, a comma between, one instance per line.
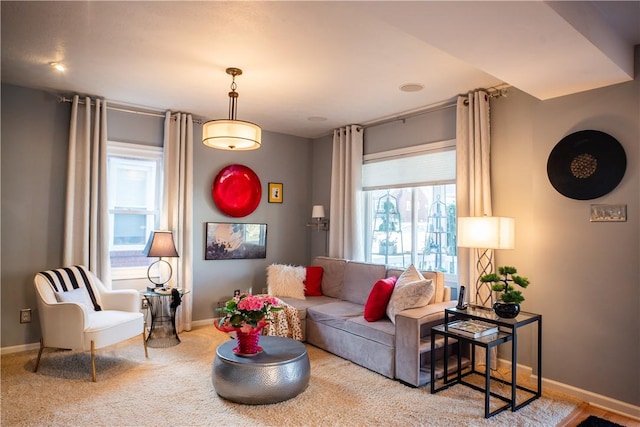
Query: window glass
x=134, y=178
x=412, y=222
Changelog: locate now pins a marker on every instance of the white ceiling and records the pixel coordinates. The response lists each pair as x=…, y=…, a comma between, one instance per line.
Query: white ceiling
x=344, y=61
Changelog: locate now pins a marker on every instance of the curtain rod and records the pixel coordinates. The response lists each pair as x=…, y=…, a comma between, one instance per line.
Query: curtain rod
x=127, y=110
x=493, y=92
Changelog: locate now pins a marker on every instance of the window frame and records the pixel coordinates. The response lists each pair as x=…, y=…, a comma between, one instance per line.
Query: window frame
x=144, y=152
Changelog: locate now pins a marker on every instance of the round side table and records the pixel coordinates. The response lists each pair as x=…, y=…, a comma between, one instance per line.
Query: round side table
x=279, y=373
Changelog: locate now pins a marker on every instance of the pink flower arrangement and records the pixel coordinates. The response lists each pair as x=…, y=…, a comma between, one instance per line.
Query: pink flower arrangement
x=248, y=312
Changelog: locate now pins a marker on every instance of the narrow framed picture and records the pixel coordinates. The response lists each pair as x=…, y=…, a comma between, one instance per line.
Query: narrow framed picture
x=605, y=213
x=275, y=192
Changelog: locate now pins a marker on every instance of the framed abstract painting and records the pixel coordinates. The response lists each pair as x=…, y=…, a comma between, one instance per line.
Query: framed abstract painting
x=226, y=240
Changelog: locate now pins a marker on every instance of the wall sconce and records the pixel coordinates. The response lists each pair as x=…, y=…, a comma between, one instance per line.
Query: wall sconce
x=319, y=222
x=484, y=233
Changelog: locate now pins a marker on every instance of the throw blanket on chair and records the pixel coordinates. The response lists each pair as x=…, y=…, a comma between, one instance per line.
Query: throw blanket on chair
x=285, y=323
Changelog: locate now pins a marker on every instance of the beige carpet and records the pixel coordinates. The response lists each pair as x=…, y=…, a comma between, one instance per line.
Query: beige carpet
x=173, y=388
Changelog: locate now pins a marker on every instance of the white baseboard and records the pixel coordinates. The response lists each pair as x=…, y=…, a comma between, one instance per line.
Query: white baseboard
x=19, y=348
x=206, y=322
x=594, y=399
x=36, y=346
x=598, y=400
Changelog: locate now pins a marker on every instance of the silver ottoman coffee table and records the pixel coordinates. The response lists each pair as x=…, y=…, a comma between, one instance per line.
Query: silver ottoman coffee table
x=279, y=373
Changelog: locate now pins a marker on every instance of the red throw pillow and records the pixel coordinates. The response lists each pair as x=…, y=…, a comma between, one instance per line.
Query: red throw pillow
x=313, y=282
x=376, y=306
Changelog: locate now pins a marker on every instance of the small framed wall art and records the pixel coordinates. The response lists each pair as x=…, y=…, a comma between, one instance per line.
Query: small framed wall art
x=275, y=192
x=605, y=213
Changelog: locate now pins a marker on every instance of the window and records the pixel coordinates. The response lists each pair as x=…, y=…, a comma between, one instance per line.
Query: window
x=134, y=180
x=410, y=208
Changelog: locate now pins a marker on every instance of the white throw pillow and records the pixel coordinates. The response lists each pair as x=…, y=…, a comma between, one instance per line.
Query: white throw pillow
x=286, y=280
x=79, y=295
x=412, y=290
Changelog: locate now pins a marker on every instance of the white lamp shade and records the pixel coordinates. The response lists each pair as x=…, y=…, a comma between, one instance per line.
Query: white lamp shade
x=234, y=135
x=486, y=232
x=317, y=211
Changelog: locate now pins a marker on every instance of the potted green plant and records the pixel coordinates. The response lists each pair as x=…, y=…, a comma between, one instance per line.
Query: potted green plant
x=509, y=304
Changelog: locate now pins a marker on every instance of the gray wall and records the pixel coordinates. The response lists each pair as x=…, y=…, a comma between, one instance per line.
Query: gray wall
x=436, y=125
x=282, y=158
x=321, y=191
x=585, y=277
x=35, y=129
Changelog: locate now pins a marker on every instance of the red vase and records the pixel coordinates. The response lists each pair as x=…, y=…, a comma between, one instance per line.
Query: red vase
x=247, y=337
x=248, y=343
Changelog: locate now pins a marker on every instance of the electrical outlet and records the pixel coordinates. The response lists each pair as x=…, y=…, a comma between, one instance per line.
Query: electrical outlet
x=145, y=303
x=25, y=315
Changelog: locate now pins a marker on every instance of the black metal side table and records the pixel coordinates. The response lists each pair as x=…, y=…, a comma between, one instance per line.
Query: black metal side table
x=162, y=332
x=508, y=332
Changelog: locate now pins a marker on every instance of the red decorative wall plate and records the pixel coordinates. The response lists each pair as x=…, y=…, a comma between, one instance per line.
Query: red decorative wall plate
x=236, y=190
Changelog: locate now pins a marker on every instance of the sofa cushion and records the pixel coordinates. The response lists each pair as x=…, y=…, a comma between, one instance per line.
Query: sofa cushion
x=382, y=331
x=376, y=306
x=359, y=278
x=286, y=280
x=412, y=290
x=332, y=276
x=303, y=305
x=313, y=281
x=335, y=314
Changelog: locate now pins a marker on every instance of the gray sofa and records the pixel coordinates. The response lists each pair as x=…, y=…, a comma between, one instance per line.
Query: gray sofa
x=335, y=321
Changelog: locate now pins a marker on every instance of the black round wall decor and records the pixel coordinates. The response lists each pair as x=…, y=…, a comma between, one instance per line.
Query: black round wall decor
x=586, y=165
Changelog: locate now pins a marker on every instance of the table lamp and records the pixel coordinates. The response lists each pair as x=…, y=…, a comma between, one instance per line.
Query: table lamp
x=484, y=233
x=160, y=245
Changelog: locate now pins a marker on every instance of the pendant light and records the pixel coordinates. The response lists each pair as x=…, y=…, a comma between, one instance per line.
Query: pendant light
x=232, y=134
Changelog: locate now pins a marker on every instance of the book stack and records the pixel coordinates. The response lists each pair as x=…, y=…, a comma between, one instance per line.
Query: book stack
x=472, y=328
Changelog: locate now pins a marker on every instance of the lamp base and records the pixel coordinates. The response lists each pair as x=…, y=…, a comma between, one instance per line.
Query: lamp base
x=159, y=284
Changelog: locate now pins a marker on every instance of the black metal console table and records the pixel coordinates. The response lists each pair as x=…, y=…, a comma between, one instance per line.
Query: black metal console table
x=508, y=332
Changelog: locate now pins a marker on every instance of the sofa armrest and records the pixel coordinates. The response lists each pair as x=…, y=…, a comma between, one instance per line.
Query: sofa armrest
x=413, y=328
x=447, y=294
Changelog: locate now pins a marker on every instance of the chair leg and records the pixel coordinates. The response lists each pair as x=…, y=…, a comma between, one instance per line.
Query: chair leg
x=39, y=355
x=144, y=341
x=93, y=362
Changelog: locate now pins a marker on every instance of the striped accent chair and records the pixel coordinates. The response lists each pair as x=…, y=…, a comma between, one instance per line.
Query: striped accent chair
x=77, y=312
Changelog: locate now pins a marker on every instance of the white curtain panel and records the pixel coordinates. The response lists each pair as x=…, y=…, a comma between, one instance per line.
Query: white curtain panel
x=473, y=185
x=177, y=206
x=345, y=239
x=86, y=230
x=473, y=170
